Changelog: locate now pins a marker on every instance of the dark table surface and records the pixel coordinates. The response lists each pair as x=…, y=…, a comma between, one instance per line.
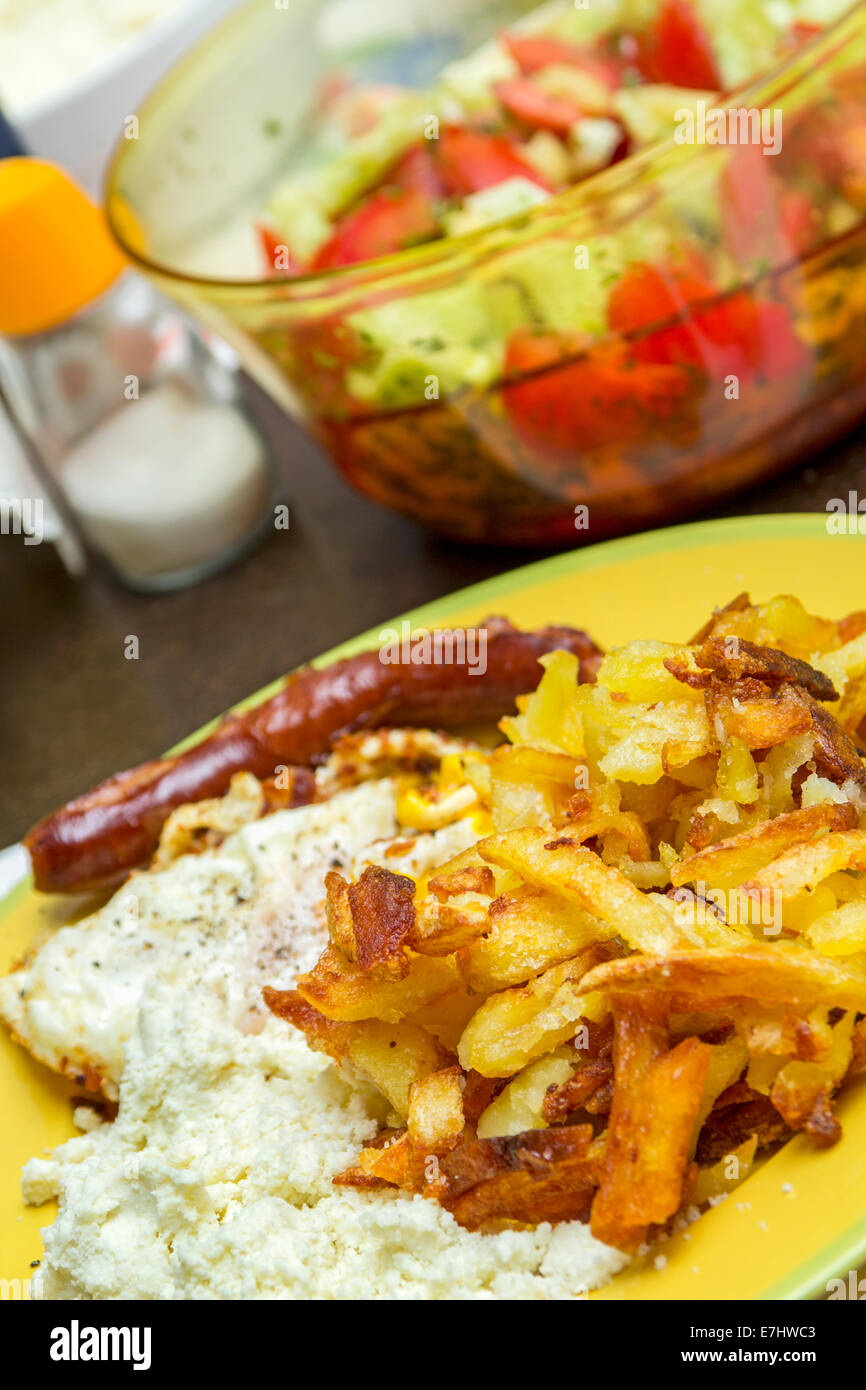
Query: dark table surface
x=73, y=709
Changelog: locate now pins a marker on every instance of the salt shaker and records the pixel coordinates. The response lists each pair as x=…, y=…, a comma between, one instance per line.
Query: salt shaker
x=137, y=422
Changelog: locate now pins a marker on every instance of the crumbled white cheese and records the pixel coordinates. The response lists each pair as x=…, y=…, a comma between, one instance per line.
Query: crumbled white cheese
x=215, y=1181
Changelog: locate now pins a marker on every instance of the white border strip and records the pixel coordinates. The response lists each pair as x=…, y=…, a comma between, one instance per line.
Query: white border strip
x=14, y=867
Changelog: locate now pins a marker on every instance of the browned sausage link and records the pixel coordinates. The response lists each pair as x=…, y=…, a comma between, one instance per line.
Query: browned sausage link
x=96, y=839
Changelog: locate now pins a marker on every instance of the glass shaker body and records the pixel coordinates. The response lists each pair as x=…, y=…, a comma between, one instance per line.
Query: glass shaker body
x=140, y=425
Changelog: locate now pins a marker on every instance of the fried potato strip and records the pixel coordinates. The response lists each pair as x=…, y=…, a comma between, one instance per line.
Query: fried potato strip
x=342, y=990
x=517, y=1025
x=529, y=929
x=714, y=979
x=656, y=1097
x=733, y=860
x=804, y=866
x=561, y=864
x=395, y=1057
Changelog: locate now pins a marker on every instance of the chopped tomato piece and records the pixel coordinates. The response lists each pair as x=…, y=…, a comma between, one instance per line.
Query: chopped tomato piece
x=677, y=49
x=532, y=53
x=326, y=349
x=645, y=295
x=535, y=107
x=417, y=169
x=761, y=219
x=603, y=398
x=387, y=221
x=531, y=349
x=469, y=160
x=275, y=252
x=648, y=295
x=778, y=351
x=801, y=220
x=735, y=334
x=801, y=32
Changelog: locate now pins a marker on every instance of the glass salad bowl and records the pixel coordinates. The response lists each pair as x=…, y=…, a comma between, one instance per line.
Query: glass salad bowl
x=668, y=331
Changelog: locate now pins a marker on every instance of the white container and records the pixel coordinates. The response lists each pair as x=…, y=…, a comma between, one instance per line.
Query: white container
x=78, y=126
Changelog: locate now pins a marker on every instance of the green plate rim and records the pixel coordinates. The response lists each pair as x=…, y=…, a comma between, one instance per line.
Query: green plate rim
x=809, y=1279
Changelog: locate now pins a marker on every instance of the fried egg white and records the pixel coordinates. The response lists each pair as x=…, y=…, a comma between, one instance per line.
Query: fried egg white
x=238, y=917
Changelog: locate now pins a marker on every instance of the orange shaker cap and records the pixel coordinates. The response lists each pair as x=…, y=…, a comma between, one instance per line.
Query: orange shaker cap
x=56, y=252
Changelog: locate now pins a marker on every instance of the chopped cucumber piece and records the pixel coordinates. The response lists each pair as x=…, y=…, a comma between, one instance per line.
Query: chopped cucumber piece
x=469, y=81
x=494, y=204
x=334, y=185
x=455, y=335
x=593, y=140
x=651, y=113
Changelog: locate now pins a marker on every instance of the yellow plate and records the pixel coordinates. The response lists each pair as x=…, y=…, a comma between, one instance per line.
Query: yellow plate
x=800, y=1219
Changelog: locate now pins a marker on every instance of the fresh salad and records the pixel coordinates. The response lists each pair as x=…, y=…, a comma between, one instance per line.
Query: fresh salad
x=562, y=94
x=589, y=354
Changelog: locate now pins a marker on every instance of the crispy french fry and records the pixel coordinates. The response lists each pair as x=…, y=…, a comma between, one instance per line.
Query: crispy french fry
x=369, y=921
x=712, y=768
x=520, y=1106
x=442, y=927
x=529, y=785
x=741, y=662
x=840, y=932
x=453, y=881
x=341, y=928
x=737, y=773
x=781, y=622
x=657, y=1094
x=514, y=1027
x=390, y=1162
x=555, y=861
x=578, y=1090
x=322, y=1034
x=713, y=979
x=393, y=1056
x=638, y=671
x=726, y=1174
x=769, y=1032
x=523, y=1178
x=845, y=665
x=550, y=717
x=729, y=1127
x=703, y=921
x=761, y=722
x=803, y=867
x=779, y=766
x=341, y=990
x=435, y=1111
x=596, y=814
x=530, y=930
x=664, y=738
x=735, y=859
x=802, y=1091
